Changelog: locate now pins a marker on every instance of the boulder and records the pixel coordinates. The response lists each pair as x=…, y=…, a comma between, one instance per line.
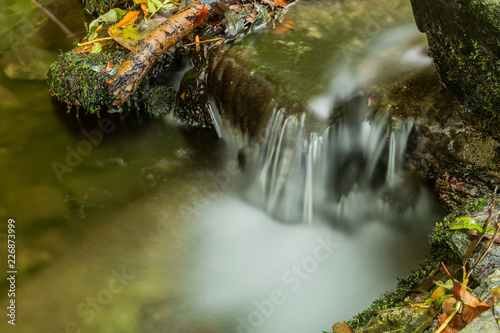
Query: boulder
x=463, y=41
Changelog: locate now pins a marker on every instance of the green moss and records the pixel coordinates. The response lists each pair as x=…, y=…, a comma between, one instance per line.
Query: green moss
x=473, y=205
x=160, y=101
x=465, y=51
x=99, y=7
x=80, y=79
x=394, y=298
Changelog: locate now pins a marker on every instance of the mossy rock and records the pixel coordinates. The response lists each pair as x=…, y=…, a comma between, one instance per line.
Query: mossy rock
x=79, y=79
x=463, y=41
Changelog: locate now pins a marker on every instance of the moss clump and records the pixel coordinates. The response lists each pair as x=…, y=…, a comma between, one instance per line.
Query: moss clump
x=160, y=101
x=99, y=7
x=80, y=79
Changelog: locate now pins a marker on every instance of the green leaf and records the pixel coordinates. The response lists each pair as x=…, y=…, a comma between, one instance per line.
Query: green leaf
x=158, y=3
x=151, y=6
x=130, y=35
x=96, y=48
x=235, y=21
x=469, y=223
x=111, y=16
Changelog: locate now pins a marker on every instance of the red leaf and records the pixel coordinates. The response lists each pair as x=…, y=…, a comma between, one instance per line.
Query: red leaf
x=201, y=15
x=109, y=67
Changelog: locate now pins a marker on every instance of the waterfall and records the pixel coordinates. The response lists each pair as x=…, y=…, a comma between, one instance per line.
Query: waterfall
x=297, y=172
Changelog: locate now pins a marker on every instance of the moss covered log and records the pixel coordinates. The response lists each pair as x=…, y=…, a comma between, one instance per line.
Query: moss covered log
x=464, y=42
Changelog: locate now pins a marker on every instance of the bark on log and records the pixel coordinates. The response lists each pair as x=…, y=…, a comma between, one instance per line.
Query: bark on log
x=143, y=56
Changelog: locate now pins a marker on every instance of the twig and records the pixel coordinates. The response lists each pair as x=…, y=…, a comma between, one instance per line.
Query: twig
x=204, y=41
x=485, y=249
x=476, y=241
x=54, y=18
x=95, y=40
x=445, y=323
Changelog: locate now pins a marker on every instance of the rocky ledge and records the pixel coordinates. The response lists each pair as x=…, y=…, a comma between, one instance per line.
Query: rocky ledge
x=463, y=41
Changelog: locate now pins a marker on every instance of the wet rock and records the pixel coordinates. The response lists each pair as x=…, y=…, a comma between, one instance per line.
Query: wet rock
x=406, y=319
x=160, y=101
x=449, y=146
x=486, y=322
x=463, y=43
x=192, y=99
x=491, y=281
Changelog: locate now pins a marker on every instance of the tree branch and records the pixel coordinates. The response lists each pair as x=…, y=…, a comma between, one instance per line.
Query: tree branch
x=144, y=55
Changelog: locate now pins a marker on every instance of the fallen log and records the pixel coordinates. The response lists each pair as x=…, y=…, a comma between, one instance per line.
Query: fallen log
x=143, y=56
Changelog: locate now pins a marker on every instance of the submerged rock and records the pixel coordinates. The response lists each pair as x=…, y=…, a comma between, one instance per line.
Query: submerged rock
x=463, y=41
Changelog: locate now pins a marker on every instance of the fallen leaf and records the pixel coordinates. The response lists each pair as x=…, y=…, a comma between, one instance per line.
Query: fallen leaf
x=111, y=16
x=284, y=27
x=281, y=3
x=130, y=35
x=342, y=328
x=472, y=307
x=129, y=18
x=109, y=67
x=201, y=15
x=495, y=291
x=96, y=48
x=197, y=42
x=145, y=8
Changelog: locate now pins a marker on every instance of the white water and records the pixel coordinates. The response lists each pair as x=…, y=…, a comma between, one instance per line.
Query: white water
x=262, y=264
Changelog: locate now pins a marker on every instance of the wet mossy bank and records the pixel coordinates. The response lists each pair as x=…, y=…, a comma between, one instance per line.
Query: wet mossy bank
x=459, y=158
x=464, y=43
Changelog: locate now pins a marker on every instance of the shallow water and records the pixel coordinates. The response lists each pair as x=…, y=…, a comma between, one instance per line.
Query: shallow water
x=152, y=228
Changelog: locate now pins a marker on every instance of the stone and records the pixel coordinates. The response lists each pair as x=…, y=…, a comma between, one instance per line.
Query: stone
x=462, y=37
x=406, y=319
x=486, y=322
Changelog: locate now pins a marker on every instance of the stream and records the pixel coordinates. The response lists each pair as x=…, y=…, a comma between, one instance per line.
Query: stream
x=127, y=224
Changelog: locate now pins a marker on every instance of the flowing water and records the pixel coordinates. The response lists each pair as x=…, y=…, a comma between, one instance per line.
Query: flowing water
x=130, y=225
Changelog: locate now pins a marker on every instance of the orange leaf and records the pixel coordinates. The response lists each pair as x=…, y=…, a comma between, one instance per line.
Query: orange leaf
x=281, y=3
x=127, y=19
x=197, y=42
x=473, y=306
x=284, y=27
x=145, y=8
x=201, y=15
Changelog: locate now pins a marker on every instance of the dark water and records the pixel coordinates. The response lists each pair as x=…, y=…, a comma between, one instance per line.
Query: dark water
x=124, y=224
